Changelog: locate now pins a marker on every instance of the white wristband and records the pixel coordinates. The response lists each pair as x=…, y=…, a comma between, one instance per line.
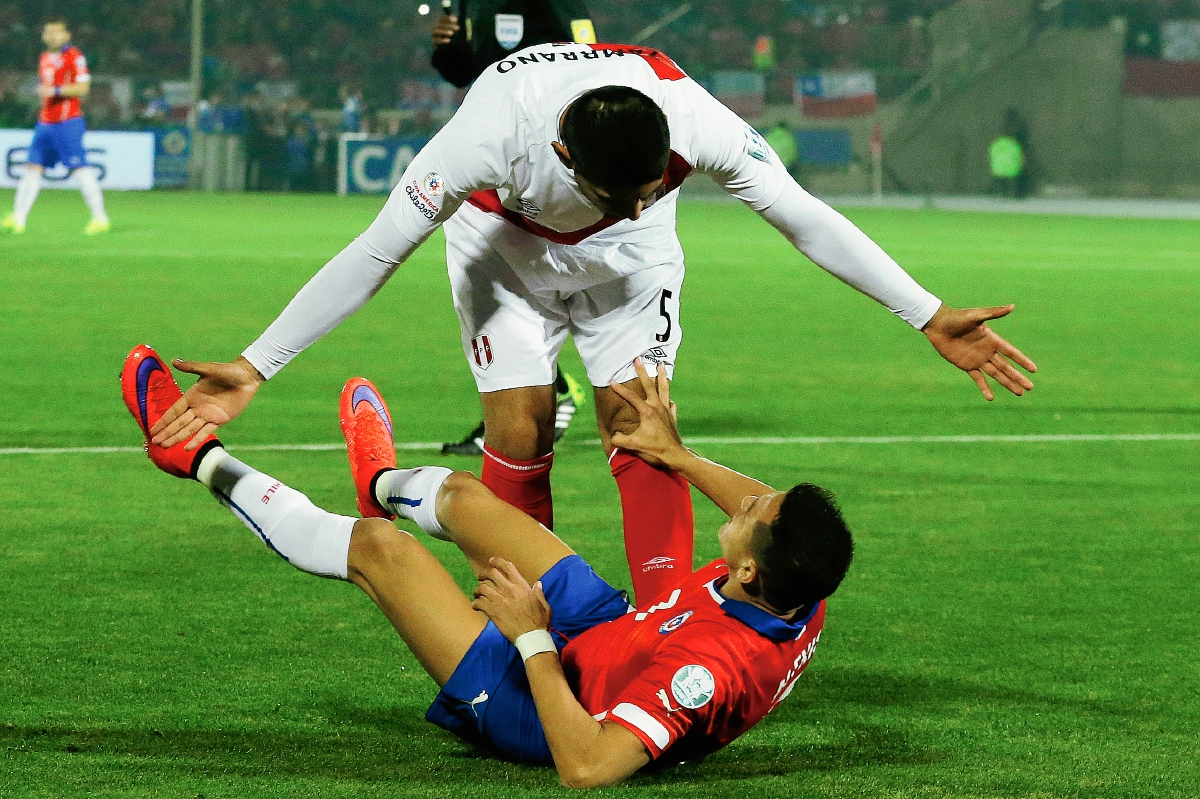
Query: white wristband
x=533, y=643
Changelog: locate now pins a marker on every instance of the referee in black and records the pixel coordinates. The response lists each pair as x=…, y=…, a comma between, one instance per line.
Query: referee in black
x=491, y=29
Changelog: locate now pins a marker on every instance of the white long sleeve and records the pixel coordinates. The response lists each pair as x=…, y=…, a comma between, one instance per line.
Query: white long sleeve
x=341, y=287
x=833, y=243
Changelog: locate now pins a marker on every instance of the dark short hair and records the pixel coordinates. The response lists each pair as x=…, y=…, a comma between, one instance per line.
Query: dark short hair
x=617, y=137
x=803, y=555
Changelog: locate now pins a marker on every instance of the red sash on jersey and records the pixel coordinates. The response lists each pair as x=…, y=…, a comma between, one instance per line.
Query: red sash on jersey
x=677, y=170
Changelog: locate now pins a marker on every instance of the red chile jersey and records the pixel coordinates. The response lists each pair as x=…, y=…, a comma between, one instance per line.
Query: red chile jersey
x=61, y=68
x=693, y=672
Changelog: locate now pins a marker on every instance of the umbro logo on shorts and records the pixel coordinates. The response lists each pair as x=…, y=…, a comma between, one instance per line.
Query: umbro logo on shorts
x=655, y=355
x=483, y=351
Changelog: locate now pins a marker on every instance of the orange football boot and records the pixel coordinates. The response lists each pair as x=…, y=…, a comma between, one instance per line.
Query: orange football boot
x=367, y=426
x=149, y=391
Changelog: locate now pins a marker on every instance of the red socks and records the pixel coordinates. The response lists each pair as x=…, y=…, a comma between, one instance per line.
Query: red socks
x=523, y=484
x=657, y=508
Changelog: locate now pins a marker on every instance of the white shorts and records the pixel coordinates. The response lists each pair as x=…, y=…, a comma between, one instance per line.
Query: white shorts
x=518, y=295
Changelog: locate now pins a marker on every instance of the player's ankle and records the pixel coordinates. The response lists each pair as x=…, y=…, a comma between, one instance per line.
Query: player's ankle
x=207, y=463
x=412, y=493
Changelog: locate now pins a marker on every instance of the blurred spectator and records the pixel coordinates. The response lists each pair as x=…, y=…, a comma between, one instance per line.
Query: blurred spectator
x=1007, y=159
x=153, y=110
x=300, y=147
x=352, y=108
x=262, y=145
x=783, y=142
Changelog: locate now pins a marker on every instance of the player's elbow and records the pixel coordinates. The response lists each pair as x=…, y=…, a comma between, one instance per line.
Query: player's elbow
x=587, y=775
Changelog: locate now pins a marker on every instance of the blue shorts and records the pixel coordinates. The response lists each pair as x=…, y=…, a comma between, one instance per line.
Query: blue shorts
x=58, y=142
x=487, y=700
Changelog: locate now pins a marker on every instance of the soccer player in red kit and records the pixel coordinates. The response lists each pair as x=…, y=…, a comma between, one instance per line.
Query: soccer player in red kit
x=63, y=80
x=549, y=664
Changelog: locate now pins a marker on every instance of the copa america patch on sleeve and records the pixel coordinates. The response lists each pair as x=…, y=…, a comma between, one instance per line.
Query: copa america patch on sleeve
x=756, y=145
x=693, y=686
x=426, y=194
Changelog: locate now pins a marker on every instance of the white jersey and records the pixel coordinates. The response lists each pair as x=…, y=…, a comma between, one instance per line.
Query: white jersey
x=496, y=151
x=496, y=154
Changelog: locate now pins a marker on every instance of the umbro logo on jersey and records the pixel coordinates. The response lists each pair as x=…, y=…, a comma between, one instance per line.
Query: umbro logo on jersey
x=482, y=348
x=529, y=209
x=661, y=562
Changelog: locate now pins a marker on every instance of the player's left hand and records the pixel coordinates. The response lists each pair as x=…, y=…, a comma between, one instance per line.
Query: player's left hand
x=45, y=91
x=963, y=338
x=513, y=605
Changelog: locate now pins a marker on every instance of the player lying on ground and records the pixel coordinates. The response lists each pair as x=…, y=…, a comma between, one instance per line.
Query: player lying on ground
x=63, y=80
x=555, y=182
x=602, y=690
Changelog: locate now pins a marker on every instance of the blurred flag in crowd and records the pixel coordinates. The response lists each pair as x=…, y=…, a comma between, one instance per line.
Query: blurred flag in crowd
x=836, y=94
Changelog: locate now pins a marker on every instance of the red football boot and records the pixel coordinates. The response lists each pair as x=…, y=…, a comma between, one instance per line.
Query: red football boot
x=367, y=426
x=149, y=391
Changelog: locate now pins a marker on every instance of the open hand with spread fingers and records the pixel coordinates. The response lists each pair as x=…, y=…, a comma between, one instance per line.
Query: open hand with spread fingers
x=513, y=605
x=656, y=439
x=962, y=337
x=218, y=397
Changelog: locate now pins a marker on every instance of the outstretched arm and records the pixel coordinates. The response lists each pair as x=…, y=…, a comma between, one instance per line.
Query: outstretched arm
x=740, y=161
x=433, y=187
x=343, y=286
x=833, y=242
x=656, y=440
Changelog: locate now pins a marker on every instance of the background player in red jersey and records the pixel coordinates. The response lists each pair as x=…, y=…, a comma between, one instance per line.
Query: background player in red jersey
x=63, y=80
x=549, y=664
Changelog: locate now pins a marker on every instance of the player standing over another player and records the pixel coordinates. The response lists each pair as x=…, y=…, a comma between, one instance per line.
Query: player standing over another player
x=549, y=665
x=555, y=182
x=63, y=80
x=491, y=30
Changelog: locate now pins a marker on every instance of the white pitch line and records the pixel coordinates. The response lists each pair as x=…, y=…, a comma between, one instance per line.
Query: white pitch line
x=701, y=440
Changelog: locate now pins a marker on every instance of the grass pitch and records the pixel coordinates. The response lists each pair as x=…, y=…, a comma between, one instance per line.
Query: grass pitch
x=1019, y=621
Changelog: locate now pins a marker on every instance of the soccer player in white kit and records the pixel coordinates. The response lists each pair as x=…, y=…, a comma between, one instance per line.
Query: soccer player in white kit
x=555, y=182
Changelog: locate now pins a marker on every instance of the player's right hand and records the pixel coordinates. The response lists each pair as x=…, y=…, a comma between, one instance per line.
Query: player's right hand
x=444, y=30
x=218, y=397
x=656, y=439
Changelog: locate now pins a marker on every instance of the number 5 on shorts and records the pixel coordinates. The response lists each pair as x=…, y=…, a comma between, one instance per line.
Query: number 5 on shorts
x=662, y=311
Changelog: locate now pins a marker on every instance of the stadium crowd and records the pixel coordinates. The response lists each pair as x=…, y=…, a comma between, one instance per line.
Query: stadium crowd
x=289, y=75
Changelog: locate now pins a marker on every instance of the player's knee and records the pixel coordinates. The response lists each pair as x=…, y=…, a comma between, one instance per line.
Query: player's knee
x=458, y=489
x=523, y=436
x=377, y=542
x=623, y=420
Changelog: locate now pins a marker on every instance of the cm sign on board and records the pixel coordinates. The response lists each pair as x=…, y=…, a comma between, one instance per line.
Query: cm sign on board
x=374, y=166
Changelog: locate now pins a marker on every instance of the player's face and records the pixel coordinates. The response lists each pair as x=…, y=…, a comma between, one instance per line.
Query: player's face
x=623, y=203
x=737, y=534
x=55, y=35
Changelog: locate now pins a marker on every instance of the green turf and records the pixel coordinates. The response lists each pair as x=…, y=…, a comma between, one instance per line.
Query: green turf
x=1020, y=619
